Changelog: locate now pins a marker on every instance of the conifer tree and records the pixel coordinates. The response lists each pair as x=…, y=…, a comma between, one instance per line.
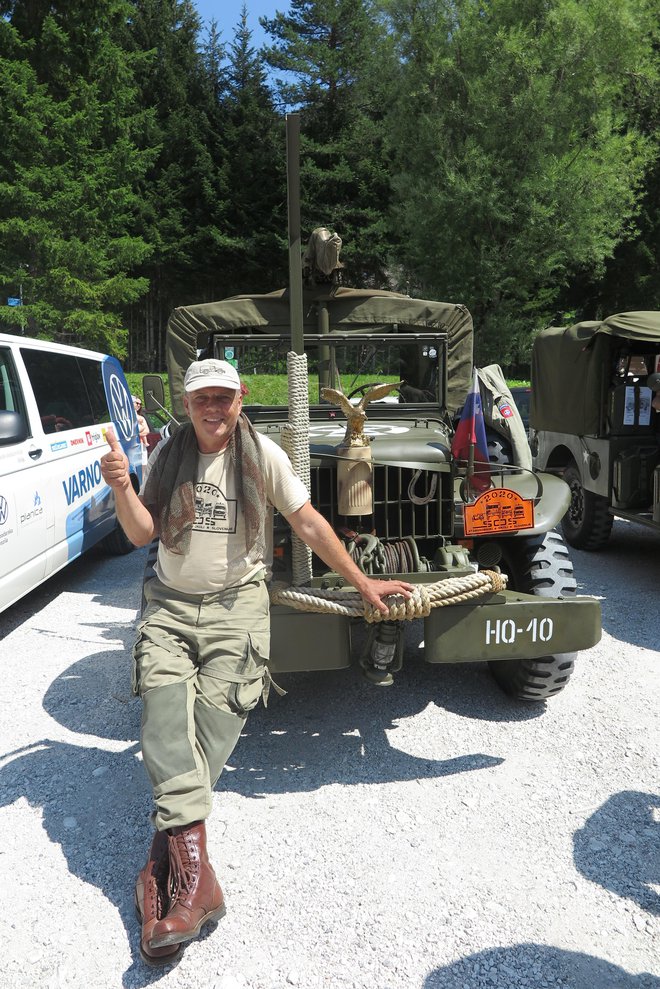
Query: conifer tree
x=328, y=50
x=256, y=173
x=69, y=166
x=185, y=194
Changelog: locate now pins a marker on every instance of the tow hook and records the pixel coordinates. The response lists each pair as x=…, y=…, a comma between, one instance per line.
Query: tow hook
x=383, y=653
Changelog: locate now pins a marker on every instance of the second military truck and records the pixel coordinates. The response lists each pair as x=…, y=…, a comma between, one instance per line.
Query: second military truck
x=593, y=421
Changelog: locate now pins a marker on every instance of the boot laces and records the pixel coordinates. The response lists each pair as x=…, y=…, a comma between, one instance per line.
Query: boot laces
x=182, y=874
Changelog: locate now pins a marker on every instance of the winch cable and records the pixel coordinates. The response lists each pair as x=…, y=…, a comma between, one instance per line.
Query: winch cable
x=377, y=558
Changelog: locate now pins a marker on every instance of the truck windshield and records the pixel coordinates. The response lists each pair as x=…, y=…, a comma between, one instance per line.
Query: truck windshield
x=348, y=363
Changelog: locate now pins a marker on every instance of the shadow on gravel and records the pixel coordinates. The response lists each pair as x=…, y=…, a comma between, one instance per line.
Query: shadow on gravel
x=31, y=604
x=115, y=580
x=619, y=848
x=94, y=807
x=333, y=727
x=330, y=728
x=470, y=691
x=629, y=560
x=93, y=696
x=95, y=802
x=536, y=965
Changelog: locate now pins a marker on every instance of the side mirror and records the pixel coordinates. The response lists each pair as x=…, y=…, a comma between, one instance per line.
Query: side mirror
x=154, y=393
x=13, y=428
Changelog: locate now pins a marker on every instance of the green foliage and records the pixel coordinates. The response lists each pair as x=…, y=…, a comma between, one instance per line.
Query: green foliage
x=501, y=154
x=184, y=198
x=254, y=146
x=518, y=163
x=69, y=166
x=273, y=389
x=134, y=379
x=329, y=50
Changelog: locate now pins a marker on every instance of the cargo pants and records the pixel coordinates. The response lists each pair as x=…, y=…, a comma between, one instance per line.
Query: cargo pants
x=199, y=666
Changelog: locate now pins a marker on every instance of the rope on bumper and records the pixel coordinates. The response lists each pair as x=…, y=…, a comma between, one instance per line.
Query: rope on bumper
x=454, y=590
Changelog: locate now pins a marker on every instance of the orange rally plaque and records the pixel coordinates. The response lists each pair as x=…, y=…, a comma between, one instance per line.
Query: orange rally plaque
x=498, y=510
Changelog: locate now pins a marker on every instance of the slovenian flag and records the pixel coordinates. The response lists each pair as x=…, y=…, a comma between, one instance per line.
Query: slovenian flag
x=469, y=445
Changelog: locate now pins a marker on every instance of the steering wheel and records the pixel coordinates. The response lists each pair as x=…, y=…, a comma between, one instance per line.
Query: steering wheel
x=363, y=389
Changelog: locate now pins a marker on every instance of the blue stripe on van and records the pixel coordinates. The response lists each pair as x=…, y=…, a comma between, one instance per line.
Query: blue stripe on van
x=91, y=513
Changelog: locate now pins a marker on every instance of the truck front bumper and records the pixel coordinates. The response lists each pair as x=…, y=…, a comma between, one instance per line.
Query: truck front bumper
x=511, y=625
x=503, y=625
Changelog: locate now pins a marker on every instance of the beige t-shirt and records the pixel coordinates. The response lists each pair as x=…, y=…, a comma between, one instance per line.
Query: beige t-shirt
x=217, y=558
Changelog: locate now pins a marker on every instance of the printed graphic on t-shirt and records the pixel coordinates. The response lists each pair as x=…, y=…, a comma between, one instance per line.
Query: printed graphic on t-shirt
x=213, y=511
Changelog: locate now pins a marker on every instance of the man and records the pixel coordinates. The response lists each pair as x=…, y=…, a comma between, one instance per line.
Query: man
x=203, y=640
x=143, y=429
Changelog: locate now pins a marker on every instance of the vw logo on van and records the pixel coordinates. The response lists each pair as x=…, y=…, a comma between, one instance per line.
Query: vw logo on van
x=121, y=407
x=120, y=402
x=4, y=510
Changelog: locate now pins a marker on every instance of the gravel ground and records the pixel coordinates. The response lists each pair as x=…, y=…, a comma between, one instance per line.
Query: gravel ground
x=434, y=835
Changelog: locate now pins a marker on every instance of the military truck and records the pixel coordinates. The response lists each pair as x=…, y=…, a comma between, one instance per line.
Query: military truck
x=592, y=421
x=493, y=580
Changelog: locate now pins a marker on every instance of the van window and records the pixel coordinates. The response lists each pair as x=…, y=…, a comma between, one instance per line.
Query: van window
x=11, y=397
x=93, y=377
x=68, y=390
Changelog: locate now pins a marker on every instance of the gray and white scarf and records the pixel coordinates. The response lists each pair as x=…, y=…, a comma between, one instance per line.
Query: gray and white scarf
x=169, y=493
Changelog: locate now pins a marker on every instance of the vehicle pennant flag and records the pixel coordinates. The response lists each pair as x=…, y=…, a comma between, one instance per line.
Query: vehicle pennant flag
x=469, y=444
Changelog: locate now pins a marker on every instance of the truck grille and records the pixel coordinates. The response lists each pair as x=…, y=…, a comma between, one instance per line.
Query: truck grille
x=395, y=515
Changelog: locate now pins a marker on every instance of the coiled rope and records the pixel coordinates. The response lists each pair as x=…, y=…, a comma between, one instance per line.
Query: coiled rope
x=295, y=442
x=454, y=590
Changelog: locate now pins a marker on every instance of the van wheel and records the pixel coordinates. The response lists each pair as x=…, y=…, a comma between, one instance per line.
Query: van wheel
x=587, y=523
x=117, y=543
x=537, y=565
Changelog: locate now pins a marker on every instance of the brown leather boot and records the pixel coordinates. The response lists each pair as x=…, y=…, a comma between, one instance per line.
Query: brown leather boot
x=196, y=896
x=152, y=900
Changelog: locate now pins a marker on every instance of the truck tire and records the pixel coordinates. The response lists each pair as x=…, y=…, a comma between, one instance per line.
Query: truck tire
x=537, y=565
x=117, y=543
x=587, y=523
x=499, y=450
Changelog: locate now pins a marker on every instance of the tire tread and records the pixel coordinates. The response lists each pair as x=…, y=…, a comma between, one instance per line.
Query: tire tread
x=538, y=565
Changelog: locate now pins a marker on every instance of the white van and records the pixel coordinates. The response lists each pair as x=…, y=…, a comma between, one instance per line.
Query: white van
x=55, y=405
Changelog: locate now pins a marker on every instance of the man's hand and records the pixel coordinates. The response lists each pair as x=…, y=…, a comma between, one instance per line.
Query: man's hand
x=114, y=465
x=375, y=591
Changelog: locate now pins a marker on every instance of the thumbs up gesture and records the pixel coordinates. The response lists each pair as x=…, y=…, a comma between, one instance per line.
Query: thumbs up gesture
x=114, y=464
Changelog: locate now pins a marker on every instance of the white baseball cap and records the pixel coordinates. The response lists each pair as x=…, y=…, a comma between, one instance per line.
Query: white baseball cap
x=211, y=374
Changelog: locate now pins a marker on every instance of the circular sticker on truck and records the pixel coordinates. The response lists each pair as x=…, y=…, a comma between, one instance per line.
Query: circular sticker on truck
x=337, y=429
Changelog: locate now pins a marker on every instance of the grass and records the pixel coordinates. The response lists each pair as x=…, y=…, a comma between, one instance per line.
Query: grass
x=271, y=389
x=264, y=389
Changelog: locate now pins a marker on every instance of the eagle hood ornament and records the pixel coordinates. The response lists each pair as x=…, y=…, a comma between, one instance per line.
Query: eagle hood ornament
x=356, y=415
